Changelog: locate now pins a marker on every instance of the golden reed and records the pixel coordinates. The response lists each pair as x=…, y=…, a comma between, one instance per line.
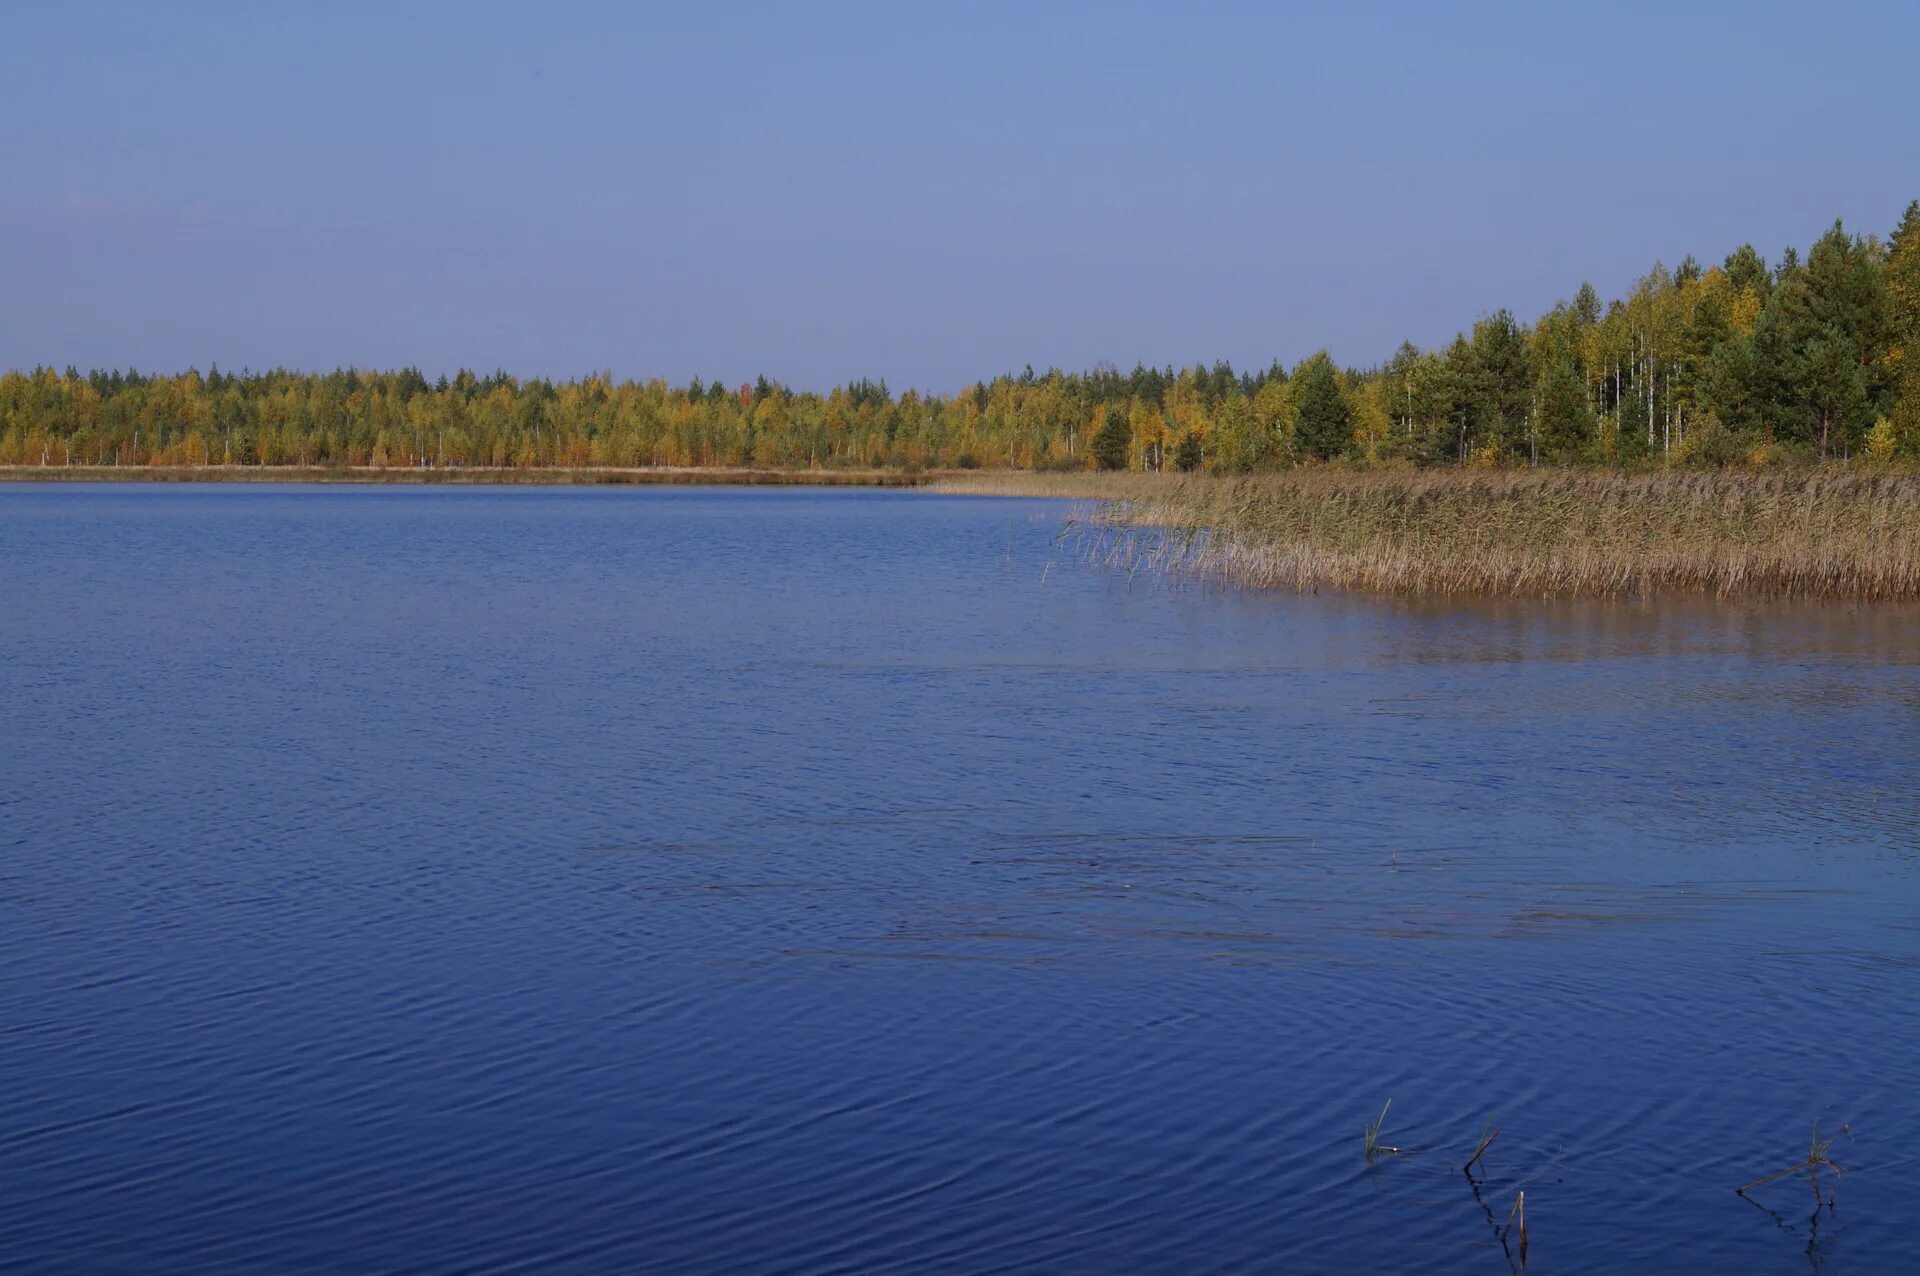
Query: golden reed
x=1819, y=533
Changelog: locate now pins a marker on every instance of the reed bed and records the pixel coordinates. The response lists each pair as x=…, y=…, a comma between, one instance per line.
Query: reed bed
x=1827, y=533
x=1081, y=485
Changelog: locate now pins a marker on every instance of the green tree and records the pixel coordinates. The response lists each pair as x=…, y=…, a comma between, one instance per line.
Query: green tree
x=1190, y=452
x=1836, y=390
x=1706, y=331
x=1566, y=419
x=1499, y=385
x=1903, y=330
x=1586, y=306
x=1747, y=270
x=1846, y=282
x=1730, y=390
x=1111, y=441
x=1782, y=338
x=1323, y=423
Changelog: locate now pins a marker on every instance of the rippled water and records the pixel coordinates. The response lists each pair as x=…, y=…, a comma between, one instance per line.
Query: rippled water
x=804, y=880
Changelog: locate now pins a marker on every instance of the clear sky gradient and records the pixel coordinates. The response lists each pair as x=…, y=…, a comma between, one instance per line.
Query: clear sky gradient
x=925, y=193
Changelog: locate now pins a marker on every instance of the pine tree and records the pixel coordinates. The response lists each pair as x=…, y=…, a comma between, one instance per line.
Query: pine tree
x=1501, y=389
x=1836, y=388
x=1586, y=305
x=1707, y=330
x=1111, y=441
x=1903, y=330
x=1190, y=452
x=1747, y=270
x=1323, y=426
x=1566, y=420
x=1782, y=338
x=1847, y=284
x=1730, y=389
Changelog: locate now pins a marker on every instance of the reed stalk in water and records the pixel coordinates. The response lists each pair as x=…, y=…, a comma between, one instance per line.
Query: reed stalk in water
x=1817, y=1156
x=1517, y=1215
x=1488, y=1133
x=1374, y=1149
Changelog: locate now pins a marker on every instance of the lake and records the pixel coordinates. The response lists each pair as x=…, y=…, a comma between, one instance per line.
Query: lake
x=804, y=880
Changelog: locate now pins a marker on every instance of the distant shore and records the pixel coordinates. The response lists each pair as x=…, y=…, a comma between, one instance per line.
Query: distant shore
x=470, y=475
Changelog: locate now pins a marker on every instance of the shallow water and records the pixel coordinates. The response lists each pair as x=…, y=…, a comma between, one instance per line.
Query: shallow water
x=803, y=880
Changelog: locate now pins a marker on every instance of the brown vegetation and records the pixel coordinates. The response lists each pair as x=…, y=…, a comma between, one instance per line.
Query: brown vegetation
x=1823, y=532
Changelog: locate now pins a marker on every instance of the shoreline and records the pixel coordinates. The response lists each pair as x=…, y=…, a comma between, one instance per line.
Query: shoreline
x=1831, y=532
x=721, y=476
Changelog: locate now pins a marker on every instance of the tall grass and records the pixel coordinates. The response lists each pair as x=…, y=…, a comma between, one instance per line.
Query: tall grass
x=1818, y=533
x=1082, y=485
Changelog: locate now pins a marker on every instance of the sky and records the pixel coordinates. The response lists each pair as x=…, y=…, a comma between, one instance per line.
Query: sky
x=923, y=193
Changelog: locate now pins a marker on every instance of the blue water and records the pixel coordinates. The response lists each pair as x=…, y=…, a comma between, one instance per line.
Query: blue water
x=749, y=880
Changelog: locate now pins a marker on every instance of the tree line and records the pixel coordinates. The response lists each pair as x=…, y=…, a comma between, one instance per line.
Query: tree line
x=1741, y=362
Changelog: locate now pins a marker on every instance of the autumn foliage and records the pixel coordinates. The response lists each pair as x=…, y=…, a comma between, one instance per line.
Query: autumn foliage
x=1743, y=363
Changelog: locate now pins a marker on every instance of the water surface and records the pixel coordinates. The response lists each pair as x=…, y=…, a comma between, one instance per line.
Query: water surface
x=775, y=880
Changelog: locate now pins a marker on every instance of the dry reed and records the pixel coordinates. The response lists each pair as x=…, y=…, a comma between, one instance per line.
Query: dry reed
x=1819, y=533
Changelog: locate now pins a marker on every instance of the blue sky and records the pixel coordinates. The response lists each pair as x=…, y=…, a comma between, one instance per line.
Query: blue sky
x=927, y=193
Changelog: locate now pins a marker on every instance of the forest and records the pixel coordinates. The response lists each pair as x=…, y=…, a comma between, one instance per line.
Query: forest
x=1742, y=363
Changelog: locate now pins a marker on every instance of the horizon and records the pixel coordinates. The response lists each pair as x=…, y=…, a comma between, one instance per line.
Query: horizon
x=914, y=198
x=441, y=378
